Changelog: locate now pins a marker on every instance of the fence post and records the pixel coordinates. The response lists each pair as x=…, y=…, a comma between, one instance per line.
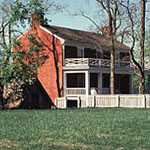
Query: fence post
x=118, y=100
x=78, y=105
x=80, y=101
x=87, y=101
x=65, y=102
x=94, y=101
x=55, y=102
x=144, y=99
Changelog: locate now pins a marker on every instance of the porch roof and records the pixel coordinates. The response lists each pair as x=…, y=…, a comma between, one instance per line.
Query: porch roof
x=95, y=40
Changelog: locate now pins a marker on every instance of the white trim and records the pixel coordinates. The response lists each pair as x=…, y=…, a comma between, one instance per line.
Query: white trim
x=61, y=39
x=80, y=49
x=75, y=71
x=87, y=82
x=64, y=84
x=63, y=54
x=86, y=73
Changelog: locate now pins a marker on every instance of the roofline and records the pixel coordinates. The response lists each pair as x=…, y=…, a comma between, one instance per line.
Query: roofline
x=99, y=34
x=61, y=39
x=23, y=33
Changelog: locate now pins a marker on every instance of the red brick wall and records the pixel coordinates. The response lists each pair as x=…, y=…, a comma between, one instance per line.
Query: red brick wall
x=47, y=74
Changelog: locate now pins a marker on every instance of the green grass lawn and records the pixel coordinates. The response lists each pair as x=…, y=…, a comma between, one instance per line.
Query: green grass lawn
x=75, y=129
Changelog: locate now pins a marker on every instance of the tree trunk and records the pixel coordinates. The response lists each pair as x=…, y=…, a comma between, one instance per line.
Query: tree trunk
x=112, y=68
x=142, y=40
x=56, y=67
x=112, y=54
x=3, y=34
x=1, y=98
x=9, y=33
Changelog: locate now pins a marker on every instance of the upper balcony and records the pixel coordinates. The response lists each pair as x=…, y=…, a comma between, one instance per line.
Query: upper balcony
x=77, y=57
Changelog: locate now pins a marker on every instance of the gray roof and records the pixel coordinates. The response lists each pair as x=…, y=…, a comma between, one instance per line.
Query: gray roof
x=93, y=39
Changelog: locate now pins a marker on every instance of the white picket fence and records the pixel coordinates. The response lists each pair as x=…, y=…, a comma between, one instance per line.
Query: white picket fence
x=61, y=102
x=128, y=100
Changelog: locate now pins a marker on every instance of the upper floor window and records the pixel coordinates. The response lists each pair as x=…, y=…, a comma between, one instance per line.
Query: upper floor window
x=106, y=55
x=76, y=52
x=70, y=52
x=124, y=56
x=89, y=53
x=98, y=54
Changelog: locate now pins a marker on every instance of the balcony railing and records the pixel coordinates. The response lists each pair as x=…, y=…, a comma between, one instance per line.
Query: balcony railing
x=93, y=62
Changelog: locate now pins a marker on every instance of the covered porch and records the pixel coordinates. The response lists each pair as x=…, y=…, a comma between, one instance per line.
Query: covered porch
x=88, y=82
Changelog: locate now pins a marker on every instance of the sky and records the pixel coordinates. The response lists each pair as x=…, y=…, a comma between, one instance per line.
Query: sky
x=74, y=6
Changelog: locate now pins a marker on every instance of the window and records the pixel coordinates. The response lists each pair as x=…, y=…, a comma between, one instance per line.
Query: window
x=98, y=54
x=124, y=56
x=94, y=80
x=76, y=80
x=70, y=52
x=106, y=55
x=106, y=80
x=89, y=53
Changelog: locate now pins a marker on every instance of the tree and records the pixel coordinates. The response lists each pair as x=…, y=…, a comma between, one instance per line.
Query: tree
x=142, y=41
x=18, y=66
x=113, y=16
x=133, y=24
x=114, y=13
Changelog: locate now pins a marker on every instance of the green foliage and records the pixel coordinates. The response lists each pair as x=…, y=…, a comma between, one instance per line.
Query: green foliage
x=75, y=129
x=26, y=62
x=19, y=65
x=20, y=11
x=136, y=81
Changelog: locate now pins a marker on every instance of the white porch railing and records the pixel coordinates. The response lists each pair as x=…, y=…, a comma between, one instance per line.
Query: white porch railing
x=80, y=91
x=95, y=62
x=75, y=91
x=128, y=100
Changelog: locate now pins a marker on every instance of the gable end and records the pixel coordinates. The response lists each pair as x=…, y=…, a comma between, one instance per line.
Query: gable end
x=61, y=39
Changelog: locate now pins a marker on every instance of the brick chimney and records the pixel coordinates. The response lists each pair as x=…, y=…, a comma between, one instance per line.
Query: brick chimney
x=105, y=30
x=37, y=19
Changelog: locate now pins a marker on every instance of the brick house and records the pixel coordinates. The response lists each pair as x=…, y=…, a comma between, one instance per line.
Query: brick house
x=78, y=62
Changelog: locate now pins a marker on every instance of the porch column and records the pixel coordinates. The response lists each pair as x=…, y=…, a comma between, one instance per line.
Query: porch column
x=63, y=50
x=100, y=88
x=87, y=82
x=131, y=84
x=148, y=84
x=64, y=84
